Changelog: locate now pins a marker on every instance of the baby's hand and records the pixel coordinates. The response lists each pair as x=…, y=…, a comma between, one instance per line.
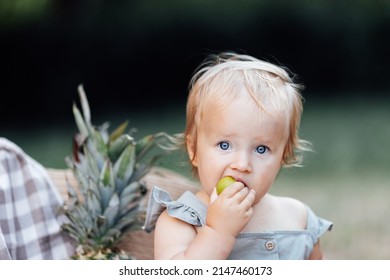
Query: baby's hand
x=229, y=212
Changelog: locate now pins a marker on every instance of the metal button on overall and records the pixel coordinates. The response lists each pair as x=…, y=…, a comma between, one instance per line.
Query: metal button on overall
x=269, y=245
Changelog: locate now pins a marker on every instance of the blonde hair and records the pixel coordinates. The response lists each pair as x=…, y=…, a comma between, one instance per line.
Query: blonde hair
x=267, y=84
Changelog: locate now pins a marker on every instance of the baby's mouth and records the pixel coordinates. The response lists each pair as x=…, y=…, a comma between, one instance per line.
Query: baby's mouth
x=241, y=181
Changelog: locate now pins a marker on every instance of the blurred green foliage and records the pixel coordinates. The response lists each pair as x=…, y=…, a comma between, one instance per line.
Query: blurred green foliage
x=54, y=45
x=359, y=11
x=14, y=12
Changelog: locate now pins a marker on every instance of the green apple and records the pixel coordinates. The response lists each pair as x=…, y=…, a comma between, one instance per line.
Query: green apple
x=223, y=183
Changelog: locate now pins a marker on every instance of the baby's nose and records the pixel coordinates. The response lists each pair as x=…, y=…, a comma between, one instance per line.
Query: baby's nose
x=242, y=162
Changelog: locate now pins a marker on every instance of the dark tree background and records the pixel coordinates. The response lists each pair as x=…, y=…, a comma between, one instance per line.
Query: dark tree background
x=132, y=55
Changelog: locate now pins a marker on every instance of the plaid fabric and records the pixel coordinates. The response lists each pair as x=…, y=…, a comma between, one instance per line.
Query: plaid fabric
x=29, y=225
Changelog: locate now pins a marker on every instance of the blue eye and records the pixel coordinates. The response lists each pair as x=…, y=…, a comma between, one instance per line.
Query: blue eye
x=261, y=149
x=224, y=145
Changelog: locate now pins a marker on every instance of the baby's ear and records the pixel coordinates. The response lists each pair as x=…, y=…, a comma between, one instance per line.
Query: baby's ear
x=191, y=149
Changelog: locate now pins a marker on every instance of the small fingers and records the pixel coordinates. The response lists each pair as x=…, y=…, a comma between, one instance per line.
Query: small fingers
x=233, y=189
x=242, y=194
x=249, y=212
x=248, y=200
x=213, y=195
x=246, y=196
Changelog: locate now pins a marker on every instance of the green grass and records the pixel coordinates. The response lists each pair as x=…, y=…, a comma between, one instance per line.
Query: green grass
x=345, y=180
x=358, y=206
x=348, y=138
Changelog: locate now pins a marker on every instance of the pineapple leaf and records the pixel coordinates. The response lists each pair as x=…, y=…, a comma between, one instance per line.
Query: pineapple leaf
x=93, y=203
x=107, y=175
x=97, y=148
x=125, y=222
x=72, y=194
x=106, y=184
x=109, y=240
x=129, y=194
x=73, y=232
x=119, y=131
x=133, y=187
x=92, y=167
x=74, y=226
x=144, y=167
x=117, y=146
x=101, y=220
x=80, y=123
x=144, y=145
x=111, y=212
x=124, y=167
x=85, y=106
x=112, y=234
x=114, y=201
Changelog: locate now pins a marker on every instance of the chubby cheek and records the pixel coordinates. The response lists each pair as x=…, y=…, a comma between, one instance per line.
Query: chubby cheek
x=210, y=168
x=261, y=190
x=265, y=181
x=208, y=179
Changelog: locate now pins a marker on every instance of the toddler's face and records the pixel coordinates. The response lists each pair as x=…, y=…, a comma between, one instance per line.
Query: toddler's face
x=239, y=140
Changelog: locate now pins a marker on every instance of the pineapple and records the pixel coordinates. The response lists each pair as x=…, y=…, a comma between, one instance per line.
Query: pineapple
x=108, y=167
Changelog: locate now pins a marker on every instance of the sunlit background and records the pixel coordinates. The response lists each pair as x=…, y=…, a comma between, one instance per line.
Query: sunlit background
x=135, y=59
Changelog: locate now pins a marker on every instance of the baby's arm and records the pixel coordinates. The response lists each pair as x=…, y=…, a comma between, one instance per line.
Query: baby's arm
x=175, y=239
x=316, y=253
x=226, y=216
